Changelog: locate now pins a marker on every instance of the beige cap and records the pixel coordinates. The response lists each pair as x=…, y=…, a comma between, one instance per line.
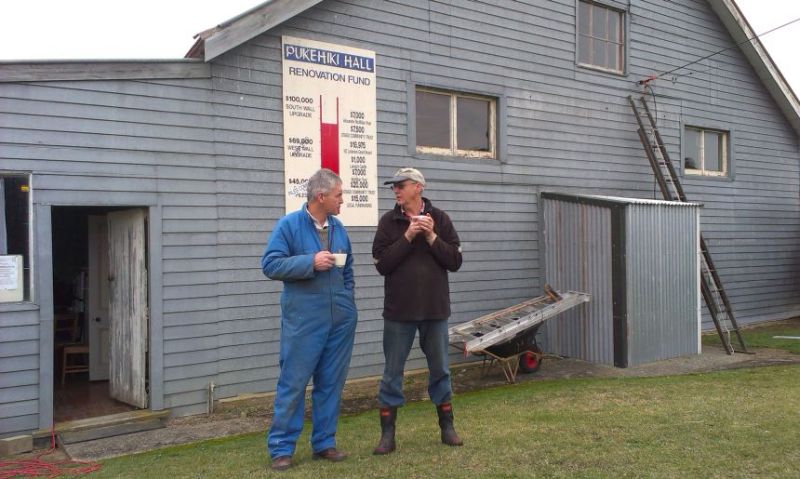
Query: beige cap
x=403, y=174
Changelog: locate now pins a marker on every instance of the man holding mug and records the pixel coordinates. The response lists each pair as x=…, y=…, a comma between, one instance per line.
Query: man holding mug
x=414, y=248
x=318, y=319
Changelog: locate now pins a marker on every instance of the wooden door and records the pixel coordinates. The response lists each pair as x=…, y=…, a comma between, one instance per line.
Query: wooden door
x=97, y=307
x=128, y=306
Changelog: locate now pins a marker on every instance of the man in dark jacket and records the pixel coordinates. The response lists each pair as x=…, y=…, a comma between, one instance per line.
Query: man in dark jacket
x=414, y=248
x=318, y=319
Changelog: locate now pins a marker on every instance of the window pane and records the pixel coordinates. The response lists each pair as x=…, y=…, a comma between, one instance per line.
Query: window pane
x=723, y=152
x=691, y=148
x=600, y=36
x=15, y=232
x=584, y=49
x=613, y=59
x=614, y=31
x=433, y=119
x=584, y=11
x=599, y=54
x=473, y=119
x=599, y=22
x=712, y=151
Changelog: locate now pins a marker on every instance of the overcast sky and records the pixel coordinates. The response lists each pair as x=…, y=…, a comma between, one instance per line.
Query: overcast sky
x=148, y=29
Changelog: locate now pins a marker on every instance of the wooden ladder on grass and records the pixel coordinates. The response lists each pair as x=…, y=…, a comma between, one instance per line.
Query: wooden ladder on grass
x=710, y=284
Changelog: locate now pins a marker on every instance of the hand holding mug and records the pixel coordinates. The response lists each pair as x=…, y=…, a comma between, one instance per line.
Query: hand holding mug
x=426, y=224
x=323, y=261
x=413, y=229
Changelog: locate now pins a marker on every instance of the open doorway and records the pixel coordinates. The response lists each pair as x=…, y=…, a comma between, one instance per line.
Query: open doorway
x=100, y=311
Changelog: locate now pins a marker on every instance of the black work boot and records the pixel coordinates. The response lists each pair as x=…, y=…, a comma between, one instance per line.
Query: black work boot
x=449, y=436
x=386, y=444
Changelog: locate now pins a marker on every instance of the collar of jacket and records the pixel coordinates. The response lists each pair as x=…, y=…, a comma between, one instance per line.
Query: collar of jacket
x=307, y=215
x=426, y=208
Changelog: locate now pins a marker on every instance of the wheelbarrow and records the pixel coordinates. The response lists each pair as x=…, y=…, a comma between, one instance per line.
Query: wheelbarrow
x=508, y=337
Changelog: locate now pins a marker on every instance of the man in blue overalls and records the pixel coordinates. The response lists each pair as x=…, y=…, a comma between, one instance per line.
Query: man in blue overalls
x=318, y=319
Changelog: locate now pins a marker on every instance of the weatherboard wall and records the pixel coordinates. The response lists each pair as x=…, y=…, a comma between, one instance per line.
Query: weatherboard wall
x=206, y=154
x=108, y=143
x=560, y=127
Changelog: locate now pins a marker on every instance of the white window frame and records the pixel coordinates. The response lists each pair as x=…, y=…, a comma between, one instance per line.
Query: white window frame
x=620, y=42
x=724, y=153
x=453, y=150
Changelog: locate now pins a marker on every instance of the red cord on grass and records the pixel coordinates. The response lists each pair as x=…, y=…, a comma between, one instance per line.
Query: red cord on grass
x=36, y=467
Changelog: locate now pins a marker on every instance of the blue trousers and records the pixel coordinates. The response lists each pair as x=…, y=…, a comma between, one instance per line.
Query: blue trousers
x=398, y=336
x=318, y=348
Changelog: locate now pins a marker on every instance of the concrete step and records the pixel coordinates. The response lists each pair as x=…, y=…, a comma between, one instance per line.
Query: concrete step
x=70, y=432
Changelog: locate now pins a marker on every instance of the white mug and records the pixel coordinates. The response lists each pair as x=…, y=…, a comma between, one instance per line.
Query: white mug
x=340, y=259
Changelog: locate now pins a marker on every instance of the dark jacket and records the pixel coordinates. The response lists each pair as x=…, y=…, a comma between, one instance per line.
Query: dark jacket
x=415, y=274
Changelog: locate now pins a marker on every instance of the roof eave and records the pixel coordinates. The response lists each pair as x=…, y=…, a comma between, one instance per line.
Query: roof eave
x=766, y=69
x=68, y=70
x=198, y=49
x=250, y=24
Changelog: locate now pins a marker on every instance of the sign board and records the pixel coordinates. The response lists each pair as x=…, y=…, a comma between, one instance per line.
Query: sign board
x=329, y=121
x=12, y=287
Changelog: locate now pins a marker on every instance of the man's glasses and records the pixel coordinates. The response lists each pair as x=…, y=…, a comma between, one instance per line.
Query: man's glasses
x=399, y=186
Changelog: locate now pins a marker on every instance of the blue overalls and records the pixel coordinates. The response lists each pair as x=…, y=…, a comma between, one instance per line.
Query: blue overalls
x=318, y=323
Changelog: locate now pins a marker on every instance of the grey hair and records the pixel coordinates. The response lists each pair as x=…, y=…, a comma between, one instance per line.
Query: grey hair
x=321, y=182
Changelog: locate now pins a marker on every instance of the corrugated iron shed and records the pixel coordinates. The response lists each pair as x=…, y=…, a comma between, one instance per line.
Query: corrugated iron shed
x=639, y=261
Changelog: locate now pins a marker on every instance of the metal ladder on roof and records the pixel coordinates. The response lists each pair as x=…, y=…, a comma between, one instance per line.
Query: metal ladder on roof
x=710, y=284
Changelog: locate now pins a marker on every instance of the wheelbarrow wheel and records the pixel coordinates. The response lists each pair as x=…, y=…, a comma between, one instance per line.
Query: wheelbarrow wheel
x=529, y=362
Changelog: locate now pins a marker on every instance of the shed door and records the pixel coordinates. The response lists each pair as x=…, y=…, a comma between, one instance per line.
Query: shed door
x=127, y=306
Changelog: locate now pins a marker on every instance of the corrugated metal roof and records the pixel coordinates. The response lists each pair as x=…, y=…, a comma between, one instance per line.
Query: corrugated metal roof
x=616, y=199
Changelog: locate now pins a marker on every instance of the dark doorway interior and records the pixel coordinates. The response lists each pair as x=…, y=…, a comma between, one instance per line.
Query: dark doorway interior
x=76, y=393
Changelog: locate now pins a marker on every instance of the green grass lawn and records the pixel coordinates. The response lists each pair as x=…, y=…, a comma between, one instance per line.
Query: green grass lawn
x=764, y=336
x=739, y=423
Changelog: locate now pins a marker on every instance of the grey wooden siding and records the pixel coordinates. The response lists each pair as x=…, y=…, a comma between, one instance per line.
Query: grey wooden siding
x=19, y=371
x=136, y=143
x=565, y=129
x=208, y=154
